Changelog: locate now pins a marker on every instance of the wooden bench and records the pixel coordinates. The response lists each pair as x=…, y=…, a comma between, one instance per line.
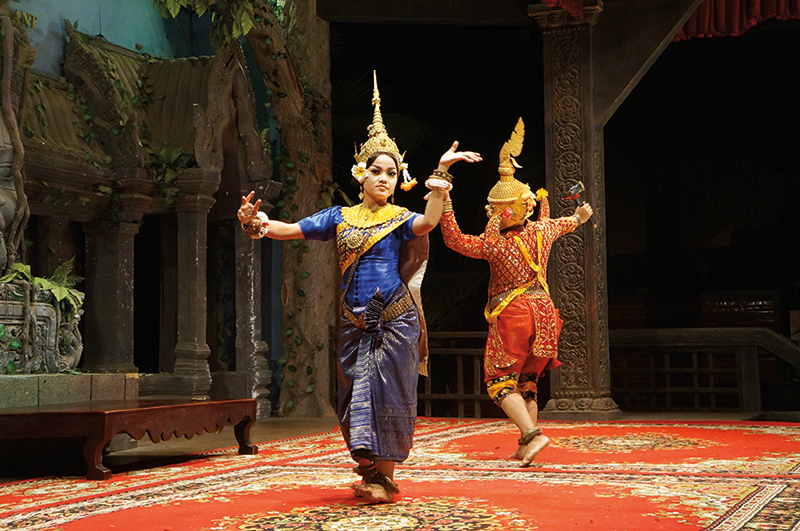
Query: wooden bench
x=98, y=422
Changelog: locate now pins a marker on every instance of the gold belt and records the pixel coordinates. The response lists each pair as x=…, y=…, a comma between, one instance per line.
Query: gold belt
x=394, y=311
x=532, y=290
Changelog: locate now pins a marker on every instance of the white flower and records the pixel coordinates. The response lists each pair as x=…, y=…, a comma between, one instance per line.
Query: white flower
x=359, y=171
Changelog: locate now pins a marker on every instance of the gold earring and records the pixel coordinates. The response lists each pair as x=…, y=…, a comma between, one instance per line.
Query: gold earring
x=361, y=194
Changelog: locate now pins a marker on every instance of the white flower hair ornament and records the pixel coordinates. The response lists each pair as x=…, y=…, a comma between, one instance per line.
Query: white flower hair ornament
x=408, y=183
x=360, y=172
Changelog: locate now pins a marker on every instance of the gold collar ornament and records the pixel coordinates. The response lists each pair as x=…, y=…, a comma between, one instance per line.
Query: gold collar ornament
x=362, y=217
x=509, y=192
x=378, y=141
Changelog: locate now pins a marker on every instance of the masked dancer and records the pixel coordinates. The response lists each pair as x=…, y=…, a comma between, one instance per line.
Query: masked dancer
x=382, y=252
x=523, y=324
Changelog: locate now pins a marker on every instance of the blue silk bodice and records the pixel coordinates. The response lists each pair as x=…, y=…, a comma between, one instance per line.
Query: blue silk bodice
x=377, y=268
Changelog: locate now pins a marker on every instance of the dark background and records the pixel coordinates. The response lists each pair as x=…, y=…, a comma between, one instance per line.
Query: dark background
x=701, y=164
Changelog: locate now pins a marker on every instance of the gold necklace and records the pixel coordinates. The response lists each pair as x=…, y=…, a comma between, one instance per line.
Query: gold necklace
x=362, y=217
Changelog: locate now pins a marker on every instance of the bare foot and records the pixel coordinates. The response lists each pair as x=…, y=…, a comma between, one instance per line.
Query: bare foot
x=520, y=453
x=358, y=489
x=372, y=493
x=538, y=444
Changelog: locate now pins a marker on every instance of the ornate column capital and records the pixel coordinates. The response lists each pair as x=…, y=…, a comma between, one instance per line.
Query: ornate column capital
x=549, y=17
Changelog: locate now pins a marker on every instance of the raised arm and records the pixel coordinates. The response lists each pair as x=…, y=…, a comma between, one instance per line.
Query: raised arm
x=465, y=244
x=257, y=225
x=439, y=184
x=433, y=212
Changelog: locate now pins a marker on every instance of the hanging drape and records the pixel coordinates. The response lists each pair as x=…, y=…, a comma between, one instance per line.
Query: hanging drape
x=573, y=7
x=730, y=18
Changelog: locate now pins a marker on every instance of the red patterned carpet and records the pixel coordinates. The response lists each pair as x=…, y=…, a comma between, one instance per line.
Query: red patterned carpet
x=607, y=476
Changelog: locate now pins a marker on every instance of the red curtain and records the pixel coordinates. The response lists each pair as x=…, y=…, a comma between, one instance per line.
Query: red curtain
x=573, y=7
x=730, y=18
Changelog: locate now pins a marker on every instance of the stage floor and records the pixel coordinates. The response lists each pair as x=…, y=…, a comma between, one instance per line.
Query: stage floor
x=703, y=472
x=44, y=458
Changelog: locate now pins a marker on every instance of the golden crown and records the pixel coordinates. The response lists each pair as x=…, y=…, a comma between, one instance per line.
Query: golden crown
x=509, y=190
x=378, y=141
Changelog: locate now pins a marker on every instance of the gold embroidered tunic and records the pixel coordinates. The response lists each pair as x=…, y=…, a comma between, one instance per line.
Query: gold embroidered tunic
x=518, y=263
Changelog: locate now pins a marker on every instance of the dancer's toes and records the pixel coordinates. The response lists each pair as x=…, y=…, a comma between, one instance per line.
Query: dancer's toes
x=519, y=454
x=538, y=444
x=372, y=493
x=357, y=489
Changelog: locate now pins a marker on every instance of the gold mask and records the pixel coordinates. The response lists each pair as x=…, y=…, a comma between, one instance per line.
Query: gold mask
x=509, y=192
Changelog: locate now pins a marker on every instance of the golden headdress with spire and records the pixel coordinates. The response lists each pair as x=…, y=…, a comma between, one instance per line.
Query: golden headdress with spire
x=378, y=141
x=509, y=191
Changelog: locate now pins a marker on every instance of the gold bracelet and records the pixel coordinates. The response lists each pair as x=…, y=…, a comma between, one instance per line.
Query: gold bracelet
x=443, y=175
x=436, y=183
x=257, y=232
x=249, y=228
x=447, y=206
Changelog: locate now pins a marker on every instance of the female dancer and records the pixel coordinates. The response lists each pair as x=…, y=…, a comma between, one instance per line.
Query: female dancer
x=381, y=328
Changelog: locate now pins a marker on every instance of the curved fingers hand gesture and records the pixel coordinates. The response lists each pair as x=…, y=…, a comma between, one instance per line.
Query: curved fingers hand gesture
x=248, y=211
x=452, y=156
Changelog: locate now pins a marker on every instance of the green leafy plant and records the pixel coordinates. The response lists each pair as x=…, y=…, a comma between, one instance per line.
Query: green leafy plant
x=167, y=167
x=230, y=19
x=60, y=284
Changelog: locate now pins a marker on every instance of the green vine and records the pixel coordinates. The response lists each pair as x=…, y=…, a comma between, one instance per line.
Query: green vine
x=231, y=19
x=167, y=167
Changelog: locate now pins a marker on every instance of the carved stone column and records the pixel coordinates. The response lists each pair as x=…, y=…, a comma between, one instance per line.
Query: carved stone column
x=191, y=351
x=250, y=348
x=581, y=388
x=108, y=341
x=55, y=235
x=191, y=376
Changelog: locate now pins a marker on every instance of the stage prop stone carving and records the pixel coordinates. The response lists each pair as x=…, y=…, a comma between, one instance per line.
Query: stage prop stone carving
x=120, y=136
x=581, y=388
x=36, y=335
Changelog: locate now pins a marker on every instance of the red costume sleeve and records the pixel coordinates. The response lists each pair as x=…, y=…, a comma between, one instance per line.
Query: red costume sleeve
x=565, y=225
x=470, y=246
x=492, y=231
x=544, y=208
x=555, y=228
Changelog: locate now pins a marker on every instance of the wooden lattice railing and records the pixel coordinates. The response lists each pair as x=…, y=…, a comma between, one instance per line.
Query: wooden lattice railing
x=680, y=369
x=455, y=387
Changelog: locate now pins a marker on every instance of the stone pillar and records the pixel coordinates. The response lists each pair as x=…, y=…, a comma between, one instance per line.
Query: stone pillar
x=191, y=351
x=55, y=235
x=581, y=388
x=250, y=348
x=108, y=340
x=191, y=377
